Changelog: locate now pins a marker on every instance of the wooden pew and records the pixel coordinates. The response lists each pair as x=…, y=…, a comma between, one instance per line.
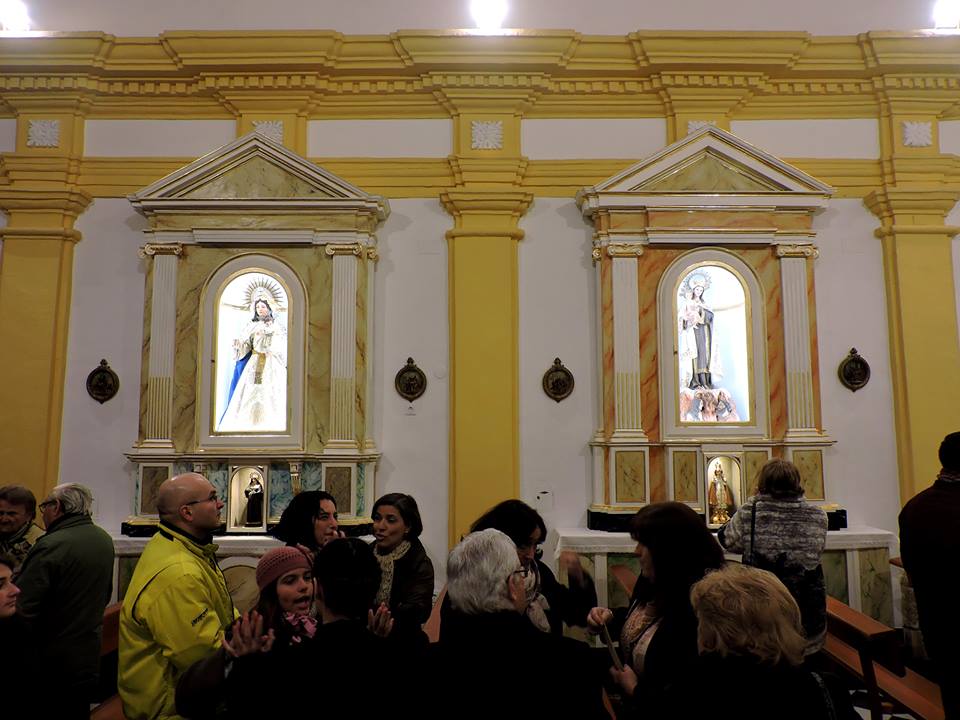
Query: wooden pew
x=111, y=708
x=871, y=651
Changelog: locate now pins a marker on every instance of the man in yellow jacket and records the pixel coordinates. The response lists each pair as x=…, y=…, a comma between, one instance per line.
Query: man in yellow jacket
x=177, y=606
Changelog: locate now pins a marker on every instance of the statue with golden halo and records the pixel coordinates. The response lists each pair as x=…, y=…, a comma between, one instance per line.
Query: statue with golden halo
x=257, y=398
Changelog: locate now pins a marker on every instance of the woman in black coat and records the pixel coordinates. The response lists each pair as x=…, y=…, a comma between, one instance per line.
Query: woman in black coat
x=658, y=631
x=406, y=585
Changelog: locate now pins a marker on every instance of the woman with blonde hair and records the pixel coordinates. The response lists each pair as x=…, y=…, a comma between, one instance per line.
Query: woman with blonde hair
x=748, y=628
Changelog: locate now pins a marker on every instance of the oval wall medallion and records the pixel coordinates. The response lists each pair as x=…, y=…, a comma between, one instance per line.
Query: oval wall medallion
x=410, y=381
x=558, y=381
x=854, y=371
x=103, y=383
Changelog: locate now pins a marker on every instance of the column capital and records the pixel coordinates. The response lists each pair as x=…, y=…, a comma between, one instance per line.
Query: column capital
x=153, y=249
x=914, y=211
x=795, y=250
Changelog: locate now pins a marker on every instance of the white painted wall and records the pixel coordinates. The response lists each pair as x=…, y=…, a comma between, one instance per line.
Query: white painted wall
x=8, y=134
x=595, y=138
x=380, y=138
x=861, y=469
x=106, y=321
x=410, y=320
x=148, y=17
x=156, y=138
x=557, y=319
x=856, y=138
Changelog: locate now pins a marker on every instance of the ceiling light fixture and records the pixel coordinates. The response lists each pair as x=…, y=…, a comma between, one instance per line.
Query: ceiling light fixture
x=488, y=14
x=946, y=14
x=14, y=16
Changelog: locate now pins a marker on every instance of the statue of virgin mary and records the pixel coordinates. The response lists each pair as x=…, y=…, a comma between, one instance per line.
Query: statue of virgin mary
x=257, y=398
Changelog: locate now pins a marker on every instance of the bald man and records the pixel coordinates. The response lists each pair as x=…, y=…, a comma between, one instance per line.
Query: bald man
x=177, y=606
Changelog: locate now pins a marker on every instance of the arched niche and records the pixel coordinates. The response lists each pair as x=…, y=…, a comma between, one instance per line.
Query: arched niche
x=220, y=422
x=727, y=398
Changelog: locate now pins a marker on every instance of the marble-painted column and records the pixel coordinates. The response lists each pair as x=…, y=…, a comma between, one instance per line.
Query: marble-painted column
x=158, y=418
x=343, y=359
x=371, y=261
x=626, y=342
x=801, y=409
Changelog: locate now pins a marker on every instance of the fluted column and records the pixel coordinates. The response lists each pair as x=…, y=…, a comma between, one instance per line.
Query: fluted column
x=801, y=403
x=158, y=420
x=343, y=349
x=626, y=342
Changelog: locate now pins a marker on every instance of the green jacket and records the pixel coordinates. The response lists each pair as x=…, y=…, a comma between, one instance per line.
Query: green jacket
x=175, y=611
x=65, y=584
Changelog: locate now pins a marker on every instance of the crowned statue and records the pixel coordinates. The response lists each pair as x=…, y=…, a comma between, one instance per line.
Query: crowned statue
x=257, y=396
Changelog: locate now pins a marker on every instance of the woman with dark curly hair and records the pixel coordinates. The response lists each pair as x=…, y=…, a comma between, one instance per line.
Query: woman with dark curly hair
x=406, y=585
x=309, y=520
x=658, y=631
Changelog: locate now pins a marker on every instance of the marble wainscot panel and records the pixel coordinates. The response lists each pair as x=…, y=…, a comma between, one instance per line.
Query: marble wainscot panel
x=311, y=476
x=835, y=574
x=866, y=554
x=281, y=489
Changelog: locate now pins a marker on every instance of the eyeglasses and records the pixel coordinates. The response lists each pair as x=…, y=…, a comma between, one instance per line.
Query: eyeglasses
x=46, y=503
x=522, y=572
x=212, y=498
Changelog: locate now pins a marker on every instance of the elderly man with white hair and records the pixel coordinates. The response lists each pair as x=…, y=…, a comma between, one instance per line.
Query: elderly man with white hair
x=494, y=662
x=65, y=584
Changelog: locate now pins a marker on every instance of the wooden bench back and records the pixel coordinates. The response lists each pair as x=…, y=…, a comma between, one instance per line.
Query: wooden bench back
x=865, y=634
x=110, y=639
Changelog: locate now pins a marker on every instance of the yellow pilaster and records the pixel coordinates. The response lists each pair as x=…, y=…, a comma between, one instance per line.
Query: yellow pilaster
x=42, y=202
x=918, y=273
x=486, y=204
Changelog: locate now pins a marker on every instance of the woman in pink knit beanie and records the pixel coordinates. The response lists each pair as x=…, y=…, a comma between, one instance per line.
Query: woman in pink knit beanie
x=285, y=579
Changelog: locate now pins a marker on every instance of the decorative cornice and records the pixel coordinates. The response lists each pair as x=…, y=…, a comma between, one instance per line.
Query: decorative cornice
x=561, y=72
x=794, y=250
x=153, y=249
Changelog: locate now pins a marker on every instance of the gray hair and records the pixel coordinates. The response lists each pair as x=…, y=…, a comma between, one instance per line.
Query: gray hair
x=74, y=499
x=477, y=572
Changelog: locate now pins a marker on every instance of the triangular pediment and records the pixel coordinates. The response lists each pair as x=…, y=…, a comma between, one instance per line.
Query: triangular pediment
x=253, y=170
x=709, y=172
x=709, y=162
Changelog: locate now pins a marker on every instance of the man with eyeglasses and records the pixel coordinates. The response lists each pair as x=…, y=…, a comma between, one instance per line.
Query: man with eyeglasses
x=65, y=584
x=176, y=607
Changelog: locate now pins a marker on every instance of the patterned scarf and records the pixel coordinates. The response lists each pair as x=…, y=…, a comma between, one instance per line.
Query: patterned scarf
x=948, y=476
x=537, y=604
x=301, y=627
x=386, y=569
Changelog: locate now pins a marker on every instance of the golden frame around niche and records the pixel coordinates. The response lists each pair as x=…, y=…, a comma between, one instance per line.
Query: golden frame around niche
x=748, y=319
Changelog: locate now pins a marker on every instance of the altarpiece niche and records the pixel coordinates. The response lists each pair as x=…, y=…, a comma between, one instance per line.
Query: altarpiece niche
x=704, y=258
x=260, y=272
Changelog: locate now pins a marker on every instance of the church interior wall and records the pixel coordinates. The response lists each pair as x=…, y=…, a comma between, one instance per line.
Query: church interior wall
x=106, y=322
x=410, y=319
x=861, y=469
x=156, y=138
x=558, y=318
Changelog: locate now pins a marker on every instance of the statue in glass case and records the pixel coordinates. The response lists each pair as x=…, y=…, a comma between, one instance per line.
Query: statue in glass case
x=720, y=498
x=712, y=355
x=256, y=399
x=254, y=495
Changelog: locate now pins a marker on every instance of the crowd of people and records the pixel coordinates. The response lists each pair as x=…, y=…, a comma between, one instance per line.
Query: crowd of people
x=339, y=622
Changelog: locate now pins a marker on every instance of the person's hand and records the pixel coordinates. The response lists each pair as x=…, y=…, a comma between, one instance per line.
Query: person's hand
x=248, y=636
x=570, y=562
x=380, y=623
x=626, y=679
x=597, y=618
